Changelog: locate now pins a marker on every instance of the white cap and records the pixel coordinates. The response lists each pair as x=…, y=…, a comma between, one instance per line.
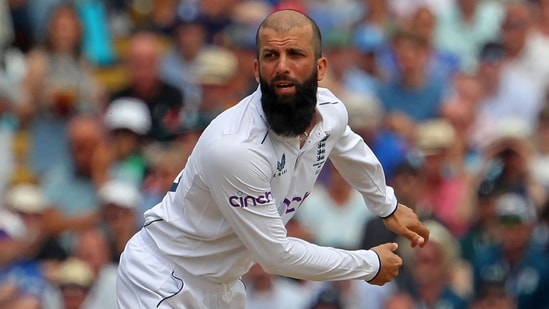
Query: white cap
x=215, y=66
x=12, y=225
x=128, y=113
x=434, y=135
x=513, y=207
x=74, y=271
x=27, y=198
x=119, y=193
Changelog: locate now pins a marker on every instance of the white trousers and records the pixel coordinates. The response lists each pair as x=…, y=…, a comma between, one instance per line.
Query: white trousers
x=148, y=280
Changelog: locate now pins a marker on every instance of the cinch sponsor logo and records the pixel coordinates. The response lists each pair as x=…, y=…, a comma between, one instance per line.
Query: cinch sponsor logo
x=241, y=200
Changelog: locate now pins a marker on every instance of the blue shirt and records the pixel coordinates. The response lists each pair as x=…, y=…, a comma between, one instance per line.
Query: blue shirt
x=527, y=281
x=419, y=104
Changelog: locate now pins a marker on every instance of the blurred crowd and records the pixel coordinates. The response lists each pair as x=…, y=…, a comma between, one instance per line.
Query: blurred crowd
x=101, y=103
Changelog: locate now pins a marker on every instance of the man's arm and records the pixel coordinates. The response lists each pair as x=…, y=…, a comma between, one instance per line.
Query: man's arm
x=260, y=226
x=360, y=167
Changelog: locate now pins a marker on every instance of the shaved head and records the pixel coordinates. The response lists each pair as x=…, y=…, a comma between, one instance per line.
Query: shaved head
x=286, y=20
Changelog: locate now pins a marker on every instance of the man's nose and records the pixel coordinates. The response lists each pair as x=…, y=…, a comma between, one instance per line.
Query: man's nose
x=282, y=66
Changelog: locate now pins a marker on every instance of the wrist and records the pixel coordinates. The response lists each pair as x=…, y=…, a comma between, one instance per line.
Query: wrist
x=376, y=265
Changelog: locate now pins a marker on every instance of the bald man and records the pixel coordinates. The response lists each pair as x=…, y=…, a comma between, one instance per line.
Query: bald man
x=247, y=176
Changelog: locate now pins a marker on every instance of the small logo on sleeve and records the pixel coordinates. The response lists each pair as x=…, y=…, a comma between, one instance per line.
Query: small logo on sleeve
x=242, y=200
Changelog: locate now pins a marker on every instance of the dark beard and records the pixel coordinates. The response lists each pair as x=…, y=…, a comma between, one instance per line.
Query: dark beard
x=289, y=115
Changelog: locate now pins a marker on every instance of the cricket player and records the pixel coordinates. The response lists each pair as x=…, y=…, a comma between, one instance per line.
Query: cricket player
x=247, y=176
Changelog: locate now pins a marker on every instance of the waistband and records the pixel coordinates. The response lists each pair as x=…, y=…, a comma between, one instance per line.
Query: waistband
x=193, y=280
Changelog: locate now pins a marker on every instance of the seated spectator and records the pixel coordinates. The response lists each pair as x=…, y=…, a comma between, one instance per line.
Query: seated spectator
x=22, y=283
x=91, y=246
x=165, y=101
x=444, y=193
x=413, y=92
x=57, y=85
x=465, y=26
x=119, y=202
x=74, y=279
x=70, y=186
x=30, y=203
x=215, y=72
x=437, y=271
x=127, y=121
x=515, y=266
x=366, y=119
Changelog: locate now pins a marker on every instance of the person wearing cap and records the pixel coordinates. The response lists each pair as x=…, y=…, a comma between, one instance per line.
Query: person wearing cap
x=22, y=282
x=91, y=246
x=444, y=193
x=516, y=265
x=436, y=271
x=29, y=202
x=214, y=72
x=74, y=279
x=127, y=122
x=119, y=202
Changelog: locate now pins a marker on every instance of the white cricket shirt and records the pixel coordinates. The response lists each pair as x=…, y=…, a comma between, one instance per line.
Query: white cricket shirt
x=242, y=183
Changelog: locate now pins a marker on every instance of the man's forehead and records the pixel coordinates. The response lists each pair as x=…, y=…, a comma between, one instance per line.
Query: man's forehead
x=300, y=35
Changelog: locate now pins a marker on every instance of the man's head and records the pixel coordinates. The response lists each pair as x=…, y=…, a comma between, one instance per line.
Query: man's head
x=288, y=67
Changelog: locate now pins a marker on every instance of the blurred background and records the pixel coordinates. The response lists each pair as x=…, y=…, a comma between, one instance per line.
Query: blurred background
x=101, y=103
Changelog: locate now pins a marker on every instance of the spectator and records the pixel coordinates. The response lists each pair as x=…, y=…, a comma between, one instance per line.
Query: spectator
x=515, y=266
x=58, y=85
x=215, y=72
x=507, y=95
x=22, y=284
x=164, y=100
x=74, y=279
x=91, y=246
x=188, y=40
x=483, y=232
x=507, y=159
x=414, y=92
x=436, y=270
x=266, y=291
x=445, y=194
x=460, y=110
x=128, y=121
x=365, y=75
x=442, y=64
x=119, y=202
x=70, y=186
x=29, y=202
x=366, y=118
x=165, y=162
x=466, y=26
x=526, y=50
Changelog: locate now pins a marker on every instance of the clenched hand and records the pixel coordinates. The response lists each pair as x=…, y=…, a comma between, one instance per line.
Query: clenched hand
x=390, y=263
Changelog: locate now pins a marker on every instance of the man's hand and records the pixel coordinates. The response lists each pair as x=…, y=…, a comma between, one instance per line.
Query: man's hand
x=389, y=263
x=405, y=222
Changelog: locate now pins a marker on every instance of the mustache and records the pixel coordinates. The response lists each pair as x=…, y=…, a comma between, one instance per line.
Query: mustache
x=284, y=78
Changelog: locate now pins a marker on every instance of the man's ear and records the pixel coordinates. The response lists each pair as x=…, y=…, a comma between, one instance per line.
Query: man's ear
x=322, y=64
x=256, y=70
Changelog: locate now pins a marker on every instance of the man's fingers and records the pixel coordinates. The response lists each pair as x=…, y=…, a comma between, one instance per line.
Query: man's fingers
x=394, y=246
